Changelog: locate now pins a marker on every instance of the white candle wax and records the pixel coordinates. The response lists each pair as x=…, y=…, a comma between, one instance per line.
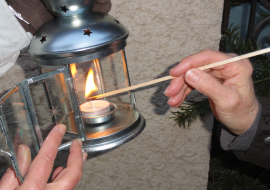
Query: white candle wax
x=95, y=108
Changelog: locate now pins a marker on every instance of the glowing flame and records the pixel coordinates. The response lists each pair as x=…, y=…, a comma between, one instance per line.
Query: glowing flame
x=73, y=69
x=90, y=84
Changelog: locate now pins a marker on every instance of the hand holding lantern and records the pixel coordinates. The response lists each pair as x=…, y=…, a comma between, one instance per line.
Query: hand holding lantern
x=39, y=170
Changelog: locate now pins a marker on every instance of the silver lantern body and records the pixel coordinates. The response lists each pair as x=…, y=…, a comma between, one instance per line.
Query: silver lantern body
x=76, y=47
x=91, y=46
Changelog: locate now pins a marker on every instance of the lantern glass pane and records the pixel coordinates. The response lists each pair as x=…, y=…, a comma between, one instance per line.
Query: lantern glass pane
x=52, y=104
x=54, y=109
x=17, y=125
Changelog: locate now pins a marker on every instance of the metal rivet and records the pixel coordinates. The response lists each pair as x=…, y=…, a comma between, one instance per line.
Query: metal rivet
x=266, y=141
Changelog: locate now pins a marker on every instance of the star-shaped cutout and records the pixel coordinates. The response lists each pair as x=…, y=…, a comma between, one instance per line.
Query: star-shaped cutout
x=61, y=99
x=43, y=39
x=87, y=32
x=116, y=21
x=64, y=9
x=55, y=111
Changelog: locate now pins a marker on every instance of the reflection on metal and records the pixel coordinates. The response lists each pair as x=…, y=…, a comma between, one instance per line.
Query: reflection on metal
x=74, y=7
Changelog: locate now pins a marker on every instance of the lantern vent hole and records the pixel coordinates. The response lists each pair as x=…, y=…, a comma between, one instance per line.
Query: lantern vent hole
x=43, y=39
x=87, y=32
x=64, y=9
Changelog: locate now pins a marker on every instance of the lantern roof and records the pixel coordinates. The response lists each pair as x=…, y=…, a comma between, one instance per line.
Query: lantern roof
x=77, y=38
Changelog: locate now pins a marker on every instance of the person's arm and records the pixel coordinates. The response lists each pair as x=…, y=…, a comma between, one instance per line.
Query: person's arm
x=39, y=170
x=232, y=99
x=259, y=151
x=230, y=141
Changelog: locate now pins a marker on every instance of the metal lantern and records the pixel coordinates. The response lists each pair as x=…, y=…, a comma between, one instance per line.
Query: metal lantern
x=80, y=55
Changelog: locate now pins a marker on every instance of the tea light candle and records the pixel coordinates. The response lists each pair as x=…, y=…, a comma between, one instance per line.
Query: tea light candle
x=95, y=108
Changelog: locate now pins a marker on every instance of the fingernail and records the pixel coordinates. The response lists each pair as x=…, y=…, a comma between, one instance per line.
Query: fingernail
x=62, y=129
x=172, y=69
x=79, y=141
x=167, y=90
x=170, y=99
x=85, y=155
x=21, y=151
x=193, y=76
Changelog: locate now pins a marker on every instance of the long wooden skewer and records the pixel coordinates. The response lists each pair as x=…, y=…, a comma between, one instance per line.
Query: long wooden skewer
x=238, y=58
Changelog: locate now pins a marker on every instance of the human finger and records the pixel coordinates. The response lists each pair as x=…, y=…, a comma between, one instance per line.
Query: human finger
x=188, y=90
x=173, y=101
x=71, y=175
x=207, y=85
x=175, y=86
x=56, y=172
x=41, y=166
x=9, y=180
x=204, y=57
x=24, y=159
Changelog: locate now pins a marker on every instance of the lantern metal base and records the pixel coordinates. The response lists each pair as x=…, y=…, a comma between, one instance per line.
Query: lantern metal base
x=127, y=124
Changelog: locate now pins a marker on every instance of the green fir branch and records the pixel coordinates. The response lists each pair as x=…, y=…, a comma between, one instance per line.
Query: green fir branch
x=190, y=111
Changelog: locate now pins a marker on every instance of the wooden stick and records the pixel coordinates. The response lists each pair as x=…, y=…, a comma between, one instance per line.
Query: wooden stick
x=238, y=58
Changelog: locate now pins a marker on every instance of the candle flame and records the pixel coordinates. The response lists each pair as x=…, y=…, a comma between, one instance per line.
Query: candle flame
x=73, y=69
x=90, y=84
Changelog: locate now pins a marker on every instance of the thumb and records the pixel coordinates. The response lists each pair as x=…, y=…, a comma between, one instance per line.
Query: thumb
x=24, y=159
x=206, y=84
x=9, y=179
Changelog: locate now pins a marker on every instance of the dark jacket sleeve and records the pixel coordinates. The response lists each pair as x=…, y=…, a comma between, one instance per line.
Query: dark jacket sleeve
x=259, y=152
